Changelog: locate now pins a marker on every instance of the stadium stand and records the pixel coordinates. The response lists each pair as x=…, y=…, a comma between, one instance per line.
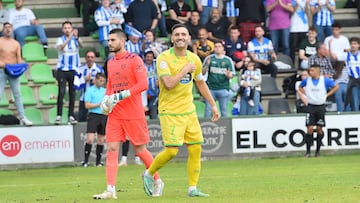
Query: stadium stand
x=41, y=73
x=52, y=115
x=48, y=93
x=4, y=102
x=6, y=112
x=52, y=53
x=278, y=106
x=33, y=52
x=35, y=115
x=23, y=79
x=52, y=13
x=269, y=86
x=27, y=94
x=285, y=64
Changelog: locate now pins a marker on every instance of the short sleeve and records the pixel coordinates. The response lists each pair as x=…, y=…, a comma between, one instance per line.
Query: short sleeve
x=162, y=66
x=58, y=42
x=250, y=47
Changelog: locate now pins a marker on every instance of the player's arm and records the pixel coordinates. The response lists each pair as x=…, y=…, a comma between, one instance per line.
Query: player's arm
x=330, y=84
x=18, y=54
x=205, y=92
x=301, y=92
x=140, y=75
x=170, y=81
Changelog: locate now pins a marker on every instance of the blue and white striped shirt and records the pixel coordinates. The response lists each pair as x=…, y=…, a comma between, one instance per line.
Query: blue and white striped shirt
x=231, y=11
x=352, y=62
x=85, y=70
x=210, y=3
x=153, y=90
x=118, y=12
x=102, y=18
x=69, y=57
x=133, y=48
x=262, y=51
x=323, y=17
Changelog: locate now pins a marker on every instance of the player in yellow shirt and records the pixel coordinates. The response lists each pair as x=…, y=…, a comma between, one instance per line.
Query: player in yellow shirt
x=177, y=69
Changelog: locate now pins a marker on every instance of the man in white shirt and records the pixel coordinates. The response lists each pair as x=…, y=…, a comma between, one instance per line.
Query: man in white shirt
x=337, y=43
x=26, y=24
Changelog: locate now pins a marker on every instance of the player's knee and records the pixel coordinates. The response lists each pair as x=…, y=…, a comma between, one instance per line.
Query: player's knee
x=194, y=148
x=171, y=151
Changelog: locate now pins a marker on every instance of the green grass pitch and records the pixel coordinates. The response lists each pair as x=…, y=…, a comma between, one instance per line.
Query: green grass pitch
x=330, y=178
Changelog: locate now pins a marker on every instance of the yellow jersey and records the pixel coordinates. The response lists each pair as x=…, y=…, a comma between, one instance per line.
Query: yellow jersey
x=178, y=100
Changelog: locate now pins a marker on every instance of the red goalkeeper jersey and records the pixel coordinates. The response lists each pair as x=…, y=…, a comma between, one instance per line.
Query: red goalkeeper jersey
x=126, y=71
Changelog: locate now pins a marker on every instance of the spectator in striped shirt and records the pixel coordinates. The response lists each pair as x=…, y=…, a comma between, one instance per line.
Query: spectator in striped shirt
x=133, y=45
x=153, y=90
x=322, y=11
x=69, y=62
x=231, y=11
x=262, y=52
x=106, y=20
x=88, y=71
x=352, y=62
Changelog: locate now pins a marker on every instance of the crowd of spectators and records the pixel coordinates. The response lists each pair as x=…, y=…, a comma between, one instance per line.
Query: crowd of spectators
x=252, y=30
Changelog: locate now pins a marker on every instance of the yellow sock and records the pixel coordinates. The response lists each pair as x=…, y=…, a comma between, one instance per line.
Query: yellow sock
x=194, y=164
x=162, y=158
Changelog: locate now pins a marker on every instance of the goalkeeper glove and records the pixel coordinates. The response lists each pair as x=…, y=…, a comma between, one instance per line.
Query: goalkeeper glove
x=123, y=94
x=104, y=106
x=116, y=97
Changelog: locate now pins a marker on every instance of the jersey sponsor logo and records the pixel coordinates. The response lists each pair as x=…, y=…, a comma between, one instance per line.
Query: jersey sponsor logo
x=186, y=79
x=163, y=64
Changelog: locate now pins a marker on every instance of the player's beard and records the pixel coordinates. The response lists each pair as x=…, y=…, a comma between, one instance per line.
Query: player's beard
x=115, y=50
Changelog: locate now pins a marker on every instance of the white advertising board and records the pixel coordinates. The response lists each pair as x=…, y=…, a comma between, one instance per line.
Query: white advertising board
x=42, y=144
x=276, y=134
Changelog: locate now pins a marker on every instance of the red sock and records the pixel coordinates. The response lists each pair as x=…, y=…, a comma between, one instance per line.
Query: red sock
x=147, y=159
x=111, y=167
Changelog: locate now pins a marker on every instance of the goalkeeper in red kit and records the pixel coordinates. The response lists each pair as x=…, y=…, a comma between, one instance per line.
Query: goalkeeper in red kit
x=127, y=78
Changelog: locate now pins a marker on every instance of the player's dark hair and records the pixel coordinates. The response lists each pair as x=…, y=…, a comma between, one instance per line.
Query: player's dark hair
x=177, y=26
x=315, y=65
x=119, y=32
